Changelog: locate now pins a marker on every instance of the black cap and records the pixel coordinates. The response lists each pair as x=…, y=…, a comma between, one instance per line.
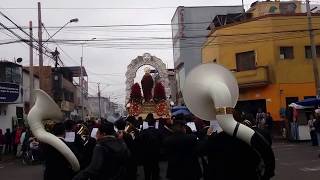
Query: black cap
x=107, y=128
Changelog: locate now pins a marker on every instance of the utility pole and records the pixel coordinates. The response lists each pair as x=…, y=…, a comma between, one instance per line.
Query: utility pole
x=243, y=11
x=81, y=85
x=313, y=49
x=99, y=100
x=40, y=46
x=31, y=101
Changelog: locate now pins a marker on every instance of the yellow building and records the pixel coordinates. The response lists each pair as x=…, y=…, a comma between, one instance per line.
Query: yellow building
x=270, y=56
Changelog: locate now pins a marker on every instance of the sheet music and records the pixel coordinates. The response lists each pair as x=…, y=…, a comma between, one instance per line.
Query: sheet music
x=94, y=133
x=215, y=126
x=70, y=136
x=192, y=125
x=145, y=125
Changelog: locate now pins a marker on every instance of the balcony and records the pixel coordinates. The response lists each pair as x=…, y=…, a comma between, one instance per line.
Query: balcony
x=68, y=85
x=253, y=78
x=67, y=106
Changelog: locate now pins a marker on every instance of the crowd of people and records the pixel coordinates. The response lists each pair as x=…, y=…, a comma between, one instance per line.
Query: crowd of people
x=19, y=142
x=108, y=150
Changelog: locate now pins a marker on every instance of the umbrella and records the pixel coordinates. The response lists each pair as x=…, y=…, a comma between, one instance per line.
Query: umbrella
x=181, y=111
x=309, y=102
x=175, y=108
x=296, y=106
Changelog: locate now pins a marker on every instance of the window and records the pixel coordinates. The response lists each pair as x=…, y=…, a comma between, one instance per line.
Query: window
x=307, y=52
x=286, y=52
x=246, y=61
x=10, y=74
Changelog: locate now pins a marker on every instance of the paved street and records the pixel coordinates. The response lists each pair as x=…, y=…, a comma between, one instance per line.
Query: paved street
x=295, y=161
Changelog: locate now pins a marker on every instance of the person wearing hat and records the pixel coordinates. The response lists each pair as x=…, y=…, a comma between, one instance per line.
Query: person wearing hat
x=182, y=153
x=110, y=156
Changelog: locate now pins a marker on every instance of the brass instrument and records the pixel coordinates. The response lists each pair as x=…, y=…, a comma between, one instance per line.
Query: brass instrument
x=83, y=132
x=45, y=108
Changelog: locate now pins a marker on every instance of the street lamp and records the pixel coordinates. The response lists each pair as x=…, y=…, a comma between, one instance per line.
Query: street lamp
x=81, y=78
x=71, y=21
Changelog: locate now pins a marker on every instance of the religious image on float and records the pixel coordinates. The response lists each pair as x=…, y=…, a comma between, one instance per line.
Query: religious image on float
x=153, y=100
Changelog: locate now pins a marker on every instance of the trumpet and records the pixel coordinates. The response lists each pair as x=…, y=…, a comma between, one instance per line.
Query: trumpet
x=83, y=132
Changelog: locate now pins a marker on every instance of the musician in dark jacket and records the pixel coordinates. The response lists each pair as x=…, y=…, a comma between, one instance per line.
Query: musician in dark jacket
x=150, y=142
x=132, y=146
x=56, y=165
x=182, y=152
x=110, y=156
x=232, y=158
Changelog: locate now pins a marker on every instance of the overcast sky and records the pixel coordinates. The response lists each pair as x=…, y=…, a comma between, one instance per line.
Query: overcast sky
x=100, y=59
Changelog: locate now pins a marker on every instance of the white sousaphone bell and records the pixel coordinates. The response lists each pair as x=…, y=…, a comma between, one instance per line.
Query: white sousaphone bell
x=45, y=108
x=211, y=92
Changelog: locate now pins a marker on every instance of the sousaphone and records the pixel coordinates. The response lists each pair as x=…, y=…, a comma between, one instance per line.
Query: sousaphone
x=211, y=93
x=45, y=108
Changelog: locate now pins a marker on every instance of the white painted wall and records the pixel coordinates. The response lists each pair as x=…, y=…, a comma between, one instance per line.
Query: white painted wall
x=10, y=109
x=26, y=86
x=6, y=119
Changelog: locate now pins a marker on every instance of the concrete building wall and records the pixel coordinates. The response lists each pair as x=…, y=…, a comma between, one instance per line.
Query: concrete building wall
x=8, y=111
x=288, y=78
x=107, y=107
x=26, y=86
x=189, y=31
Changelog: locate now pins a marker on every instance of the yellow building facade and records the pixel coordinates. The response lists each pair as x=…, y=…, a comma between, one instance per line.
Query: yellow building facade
x=270, y=56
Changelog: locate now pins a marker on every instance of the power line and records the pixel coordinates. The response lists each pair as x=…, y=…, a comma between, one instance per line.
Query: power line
x=87, y=8
x=163, y=24
x=19, y=37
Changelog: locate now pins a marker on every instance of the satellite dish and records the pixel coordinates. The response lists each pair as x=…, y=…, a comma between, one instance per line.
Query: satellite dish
x=19, y=60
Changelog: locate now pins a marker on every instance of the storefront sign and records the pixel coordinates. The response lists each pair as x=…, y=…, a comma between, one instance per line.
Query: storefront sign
x=9, y=92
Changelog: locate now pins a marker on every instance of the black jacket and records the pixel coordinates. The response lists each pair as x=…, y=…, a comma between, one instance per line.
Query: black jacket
x=230, y=158
x=56, y=165
x=109, y=161
x=182, y=153
x=149, y=142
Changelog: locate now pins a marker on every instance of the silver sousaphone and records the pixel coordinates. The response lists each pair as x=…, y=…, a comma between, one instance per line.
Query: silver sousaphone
x=211, y=92
x=45, y=108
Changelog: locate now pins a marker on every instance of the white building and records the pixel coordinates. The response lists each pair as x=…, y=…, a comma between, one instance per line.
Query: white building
x=189, y=31
x=14, y=94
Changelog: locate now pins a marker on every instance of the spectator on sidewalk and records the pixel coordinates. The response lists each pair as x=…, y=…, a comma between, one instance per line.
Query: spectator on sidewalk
x=260, y=118
x=1, y=143
x=317, y=125
x=312, y=130
x=269, y=123
x=7, y=141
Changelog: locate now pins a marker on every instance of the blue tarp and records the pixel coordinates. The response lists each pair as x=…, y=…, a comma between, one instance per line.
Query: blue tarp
x=309, y=102
x=181, y=111
x=176, y=108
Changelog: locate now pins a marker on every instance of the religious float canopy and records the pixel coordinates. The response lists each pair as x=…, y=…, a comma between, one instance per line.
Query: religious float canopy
x=155, y=94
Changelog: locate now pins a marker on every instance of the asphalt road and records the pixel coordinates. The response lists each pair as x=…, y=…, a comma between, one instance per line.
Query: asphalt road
x=294, y=161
